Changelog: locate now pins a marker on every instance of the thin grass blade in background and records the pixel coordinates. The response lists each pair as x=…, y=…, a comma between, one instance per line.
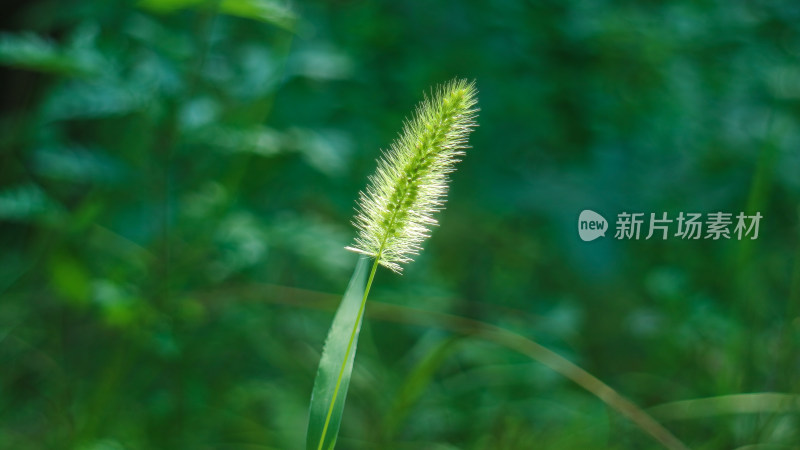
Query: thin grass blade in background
x=336, y=364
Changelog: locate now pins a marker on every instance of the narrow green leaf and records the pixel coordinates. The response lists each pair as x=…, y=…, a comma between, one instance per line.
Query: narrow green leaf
x=336, y=364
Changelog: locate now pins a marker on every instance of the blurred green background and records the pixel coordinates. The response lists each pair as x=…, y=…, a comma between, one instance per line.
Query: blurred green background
x=177, y=180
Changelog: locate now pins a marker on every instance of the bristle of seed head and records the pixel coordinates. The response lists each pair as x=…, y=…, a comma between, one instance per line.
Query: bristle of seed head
x=395, y=211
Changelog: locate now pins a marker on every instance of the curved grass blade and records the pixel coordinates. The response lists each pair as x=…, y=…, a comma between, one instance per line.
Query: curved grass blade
x=336, y=363
x=491, y=333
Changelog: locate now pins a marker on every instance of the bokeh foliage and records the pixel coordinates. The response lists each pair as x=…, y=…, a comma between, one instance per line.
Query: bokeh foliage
x=177, y=180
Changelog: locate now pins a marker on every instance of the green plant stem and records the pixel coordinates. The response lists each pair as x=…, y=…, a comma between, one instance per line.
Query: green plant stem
x=347, y=353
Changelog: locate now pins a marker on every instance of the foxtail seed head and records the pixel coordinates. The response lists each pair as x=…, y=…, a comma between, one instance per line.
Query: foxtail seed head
x=395, y=212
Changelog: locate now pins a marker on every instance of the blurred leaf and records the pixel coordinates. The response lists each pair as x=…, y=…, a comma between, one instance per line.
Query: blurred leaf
x=77, y=164
x=30, y=51
x=336, y=364
x=241, y=242
x=260, y=140
x=326, y=150
x=99, y=98
x=70, y=279
x=319, y=243
x=258, y=73
x=208, y=200
x=24, y=203
x=197, y=113
x=118, y=304
x=147, y=30
x=784, y=82
x=268, y=11
x=168, y=6
x=321, y=63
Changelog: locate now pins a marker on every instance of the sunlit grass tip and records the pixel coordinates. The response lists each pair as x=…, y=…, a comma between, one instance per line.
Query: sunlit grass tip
x=395, y=211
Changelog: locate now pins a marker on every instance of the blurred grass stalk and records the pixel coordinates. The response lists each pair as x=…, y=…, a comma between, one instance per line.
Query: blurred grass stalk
x=753, y=403
x=503, y=338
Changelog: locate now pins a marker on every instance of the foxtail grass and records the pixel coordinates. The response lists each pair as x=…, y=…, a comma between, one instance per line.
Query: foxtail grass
x=395, y=214
x=396, y=210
